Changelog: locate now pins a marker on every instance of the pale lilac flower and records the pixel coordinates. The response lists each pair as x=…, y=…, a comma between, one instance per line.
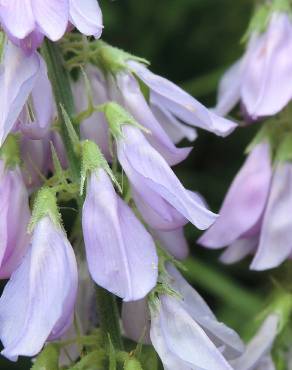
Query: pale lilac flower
x=257, y=354
x=152, y=178
x=28, y=20
x=170, y=98
x=121, y=254
x=15, y=216
x=18, y=75
x=95, y=127
x=261, y=79
x=195, y=339
x=125, y=90
x=173, y=241
x=38, y=301
x=254, y=217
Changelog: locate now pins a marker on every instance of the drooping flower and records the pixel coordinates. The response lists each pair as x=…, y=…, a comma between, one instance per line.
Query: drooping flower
x=120, y=252
x=18, y=76
x=254, y=215
x=38, y=301
x=257, y=354
x=194, y=339
x=14, y=215
x=155, y=182
x=28, y=21
x=171, y=99
x=261, y=79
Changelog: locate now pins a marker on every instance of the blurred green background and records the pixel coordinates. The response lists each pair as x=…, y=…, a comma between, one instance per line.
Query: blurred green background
x=191, y=42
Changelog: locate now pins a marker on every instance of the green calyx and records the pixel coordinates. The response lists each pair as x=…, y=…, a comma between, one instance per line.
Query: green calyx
x=116, y=117
x=91, y=160
x=10, y=151
x=262, y=15
x=282, y=306
x=45, y=205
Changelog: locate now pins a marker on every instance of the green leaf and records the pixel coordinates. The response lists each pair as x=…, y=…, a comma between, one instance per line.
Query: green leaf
x=48, y=359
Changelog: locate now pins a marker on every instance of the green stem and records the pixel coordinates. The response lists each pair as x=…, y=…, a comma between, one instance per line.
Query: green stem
x=107, y=307
x=222, y=287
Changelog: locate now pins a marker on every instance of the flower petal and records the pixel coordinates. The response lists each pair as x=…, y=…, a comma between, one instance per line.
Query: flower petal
x=245, y=201
x=239, y=249
x=122, y=258
x=87, y=17
x=38, y=300
x=173, y=241
x=275, y=241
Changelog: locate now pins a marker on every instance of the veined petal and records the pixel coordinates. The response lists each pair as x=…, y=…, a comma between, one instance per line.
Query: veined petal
x=137, y=156
x=17, y=78
x=51, y=16
x=38, y=300
x=17, y=17
x=245, y=201
x=181, y=104
x=87, y=17
x=275, y=240
x=122, y=258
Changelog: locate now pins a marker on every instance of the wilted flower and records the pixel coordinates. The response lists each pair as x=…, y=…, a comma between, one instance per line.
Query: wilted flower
x=155, y=182
x=261, y=79
x=254, y=215
x=37, y=18
x=38, y=301
x=257, y=353
x=121, y=254
x=14, y=215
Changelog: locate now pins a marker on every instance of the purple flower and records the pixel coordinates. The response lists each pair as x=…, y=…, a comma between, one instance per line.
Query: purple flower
x=30, y=19
x=173, y=241
x=18, y=75
x=37, y=302
x=121, y=254
x=95, y=127
x=195, y=339
x=126, y=91
x=257, y=353
x=154, y=181
x=261, y=78
x=254, y=217
x=14, y=215
x=171, y=99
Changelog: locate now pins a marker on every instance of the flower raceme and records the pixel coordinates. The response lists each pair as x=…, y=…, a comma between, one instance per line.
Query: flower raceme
x=261, y=79
x=253, y=218
x=28, y=21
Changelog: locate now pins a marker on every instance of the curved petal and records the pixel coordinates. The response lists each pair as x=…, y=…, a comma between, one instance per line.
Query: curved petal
x=52, y=17
x=136, y=321
x=259, y=346
x=122, y=258
x=266, y=89
x=160, y=184
x=275, y=241
x=181, y=104
x=239, y=250
x=229, y=89
x=133, y=100
x=17, y=17
x=17, y=78
x=87, y=17
x=38, y=300
x=244, y=202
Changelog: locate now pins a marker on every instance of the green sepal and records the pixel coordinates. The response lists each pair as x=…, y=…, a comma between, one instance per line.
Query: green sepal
x=3, y=41
x=111, y=355
x=91, y=160
x=149, y=358
x=45, y=205
x=116, y=117
x=284, y=151
x=10, y=151
x=132, y=364
x=71, y=131
x=48, y=359
x=93, y=361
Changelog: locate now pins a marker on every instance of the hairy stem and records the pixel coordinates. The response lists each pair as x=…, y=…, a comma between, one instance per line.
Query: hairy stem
x=107, y=306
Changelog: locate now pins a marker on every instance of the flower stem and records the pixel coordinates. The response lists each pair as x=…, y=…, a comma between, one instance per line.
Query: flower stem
x=107, y=306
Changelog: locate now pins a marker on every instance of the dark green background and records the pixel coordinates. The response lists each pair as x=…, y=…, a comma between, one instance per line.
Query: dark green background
x=191, y=42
